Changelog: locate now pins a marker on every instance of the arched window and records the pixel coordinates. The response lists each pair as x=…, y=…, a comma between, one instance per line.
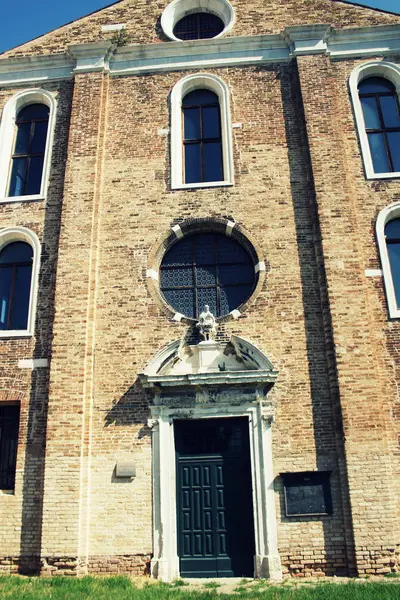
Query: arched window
x=392, y=236
x=381, y=111
x=29, y=149
x=202, y=137
x=19, y=274
x=26, y=135
x=201, y=143
x=207, y=268
x=15, y=285
x=388, y=236
x=374, y=91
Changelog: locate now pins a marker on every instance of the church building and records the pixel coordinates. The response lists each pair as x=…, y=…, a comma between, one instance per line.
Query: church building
x=200, y=292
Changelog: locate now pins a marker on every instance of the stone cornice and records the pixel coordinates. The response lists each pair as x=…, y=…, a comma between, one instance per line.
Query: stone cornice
x=360, y=42
x=256, y=377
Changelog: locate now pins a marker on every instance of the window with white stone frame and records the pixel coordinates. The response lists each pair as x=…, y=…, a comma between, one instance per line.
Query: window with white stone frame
x=374, y=89
x=19, y=273
x=26, y=137
x=388, y=236
x=201, y=140
x=195, y=19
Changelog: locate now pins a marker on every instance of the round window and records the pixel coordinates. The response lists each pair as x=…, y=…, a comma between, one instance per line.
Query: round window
x=196, y=20
x=198, y=26
x=207, y=268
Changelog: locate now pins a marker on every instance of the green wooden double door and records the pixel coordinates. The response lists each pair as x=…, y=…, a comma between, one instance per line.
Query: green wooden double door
x=214, y=498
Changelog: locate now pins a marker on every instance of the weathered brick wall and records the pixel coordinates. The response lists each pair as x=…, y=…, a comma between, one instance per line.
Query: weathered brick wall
x=142, y=19
x=317, y=317
x=21, y=511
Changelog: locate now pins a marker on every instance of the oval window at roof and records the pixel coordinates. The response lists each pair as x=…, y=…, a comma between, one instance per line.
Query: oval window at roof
x=207, y=268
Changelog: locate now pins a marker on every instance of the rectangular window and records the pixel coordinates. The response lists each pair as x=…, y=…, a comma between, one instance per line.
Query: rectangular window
x=9, y=425
x=307, y=493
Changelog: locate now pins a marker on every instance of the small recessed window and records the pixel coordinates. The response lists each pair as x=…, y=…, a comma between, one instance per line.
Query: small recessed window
x=307, y=494
x=207, y=268
x=198, y=26
x=9, y=424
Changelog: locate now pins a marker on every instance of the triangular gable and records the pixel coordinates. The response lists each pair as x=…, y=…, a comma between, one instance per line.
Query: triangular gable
x=142, y=21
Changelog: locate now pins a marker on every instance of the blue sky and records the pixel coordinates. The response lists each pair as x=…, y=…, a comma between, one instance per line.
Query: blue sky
x=23, y=20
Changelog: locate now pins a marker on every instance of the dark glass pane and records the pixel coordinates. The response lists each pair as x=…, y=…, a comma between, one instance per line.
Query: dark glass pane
x=207, y=296
x=192, y=163
x=39, y=137
x=34, y=177
x=198, y=26
x=9, y=424
x=378, y=153
x=222, y=286
x=20, y=300
x=212, y=161
x=176, y=277
x=22, y=140
x=375, y=85
x=200, y=97
x=16, y=252
x=205, y=253
x=180, y=254
x=233, y=274
x=211, y=127
x=181, y=300
x=206, y=275
x=232, y=297
x=392, y=230
x=6, y=274
x=390, y=111
x=33, y=112
x=305, y=499
x=229, y=251
x=370, y=110
x=394, y=258
x=394, y=147
x=17, y=179
x=191, y=118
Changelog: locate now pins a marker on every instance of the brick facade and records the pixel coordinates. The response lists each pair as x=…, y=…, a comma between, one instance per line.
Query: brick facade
x=301, y=197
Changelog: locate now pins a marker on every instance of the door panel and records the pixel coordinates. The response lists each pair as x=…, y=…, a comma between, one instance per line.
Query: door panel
x=214, y=500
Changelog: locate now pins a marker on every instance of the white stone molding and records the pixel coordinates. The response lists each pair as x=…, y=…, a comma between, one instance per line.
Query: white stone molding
x=373, y=273
x=165, y=561
x=183, y=87
x=216, y=394
x=176, y=10
x=91, y=57
x=33, y=363
x=387, y=214
x=22, y=234
x=260, y=266
x=7, y=135
x=307, y=39
x=115, y=27
x=135, y=59
x=178, y=231
x=388, y=71
x=229, y=227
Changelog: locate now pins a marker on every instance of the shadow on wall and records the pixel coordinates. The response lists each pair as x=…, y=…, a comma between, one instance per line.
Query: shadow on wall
x=33, y=482
x=131, y=409
x=327, y=427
